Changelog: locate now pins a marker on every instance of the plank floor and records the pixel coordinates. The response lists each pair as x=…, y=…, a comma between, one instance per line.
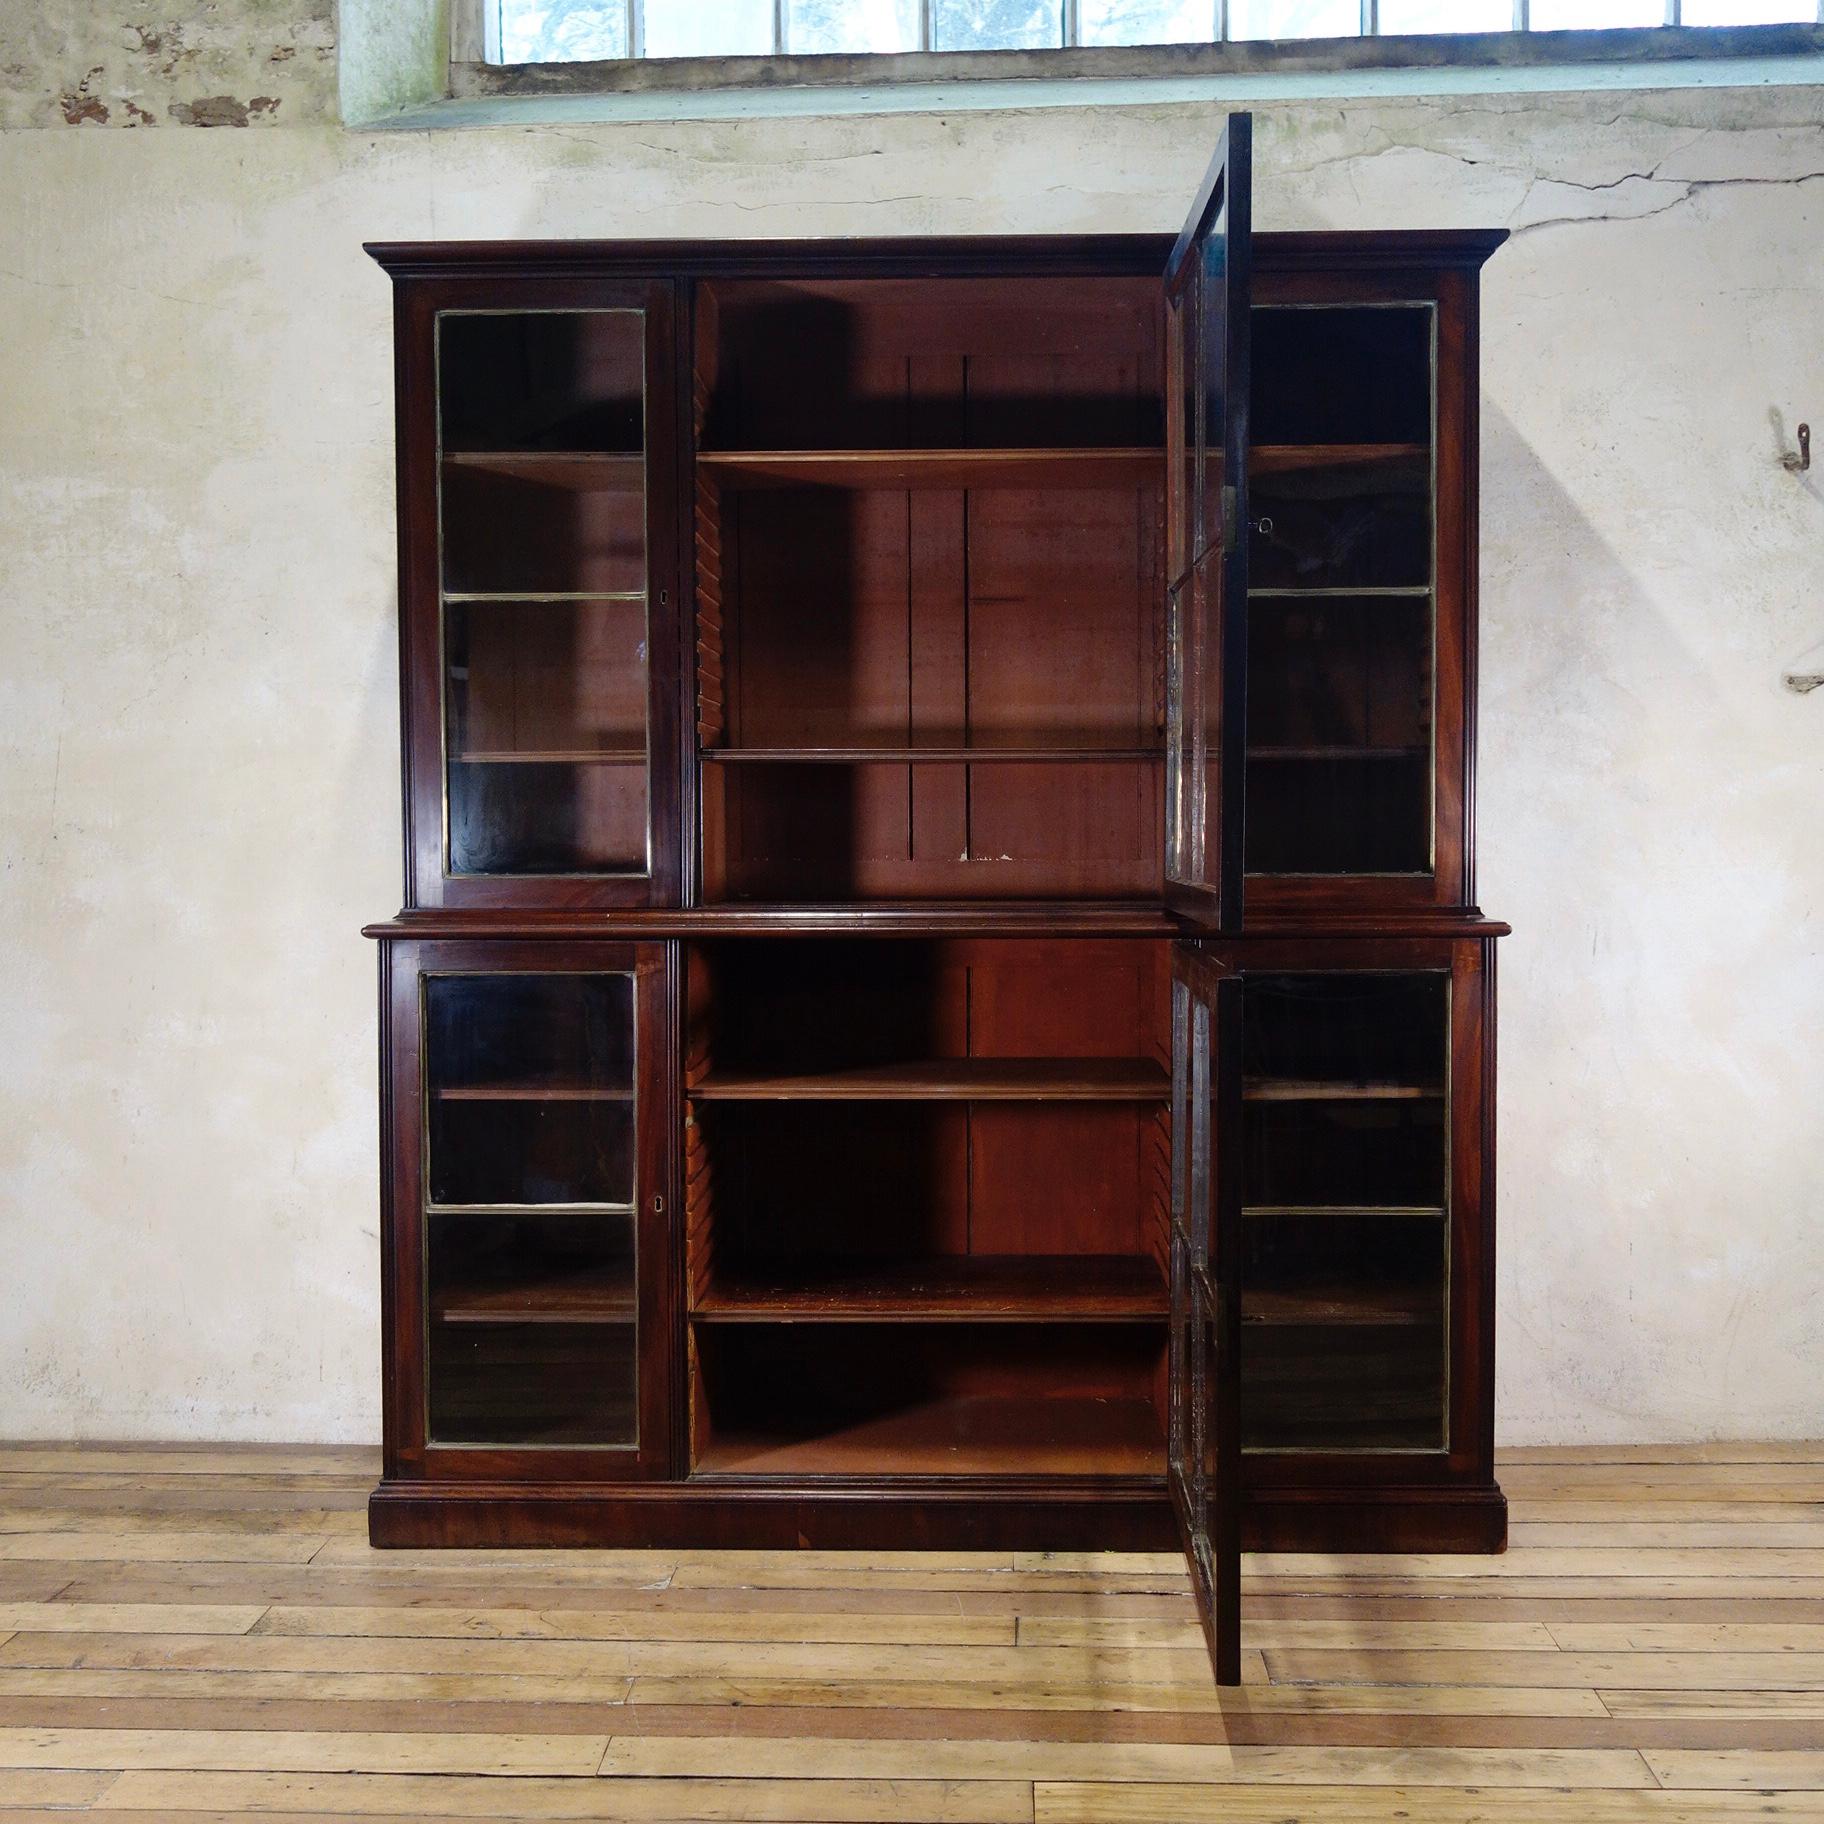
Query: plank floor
x=191, y=1634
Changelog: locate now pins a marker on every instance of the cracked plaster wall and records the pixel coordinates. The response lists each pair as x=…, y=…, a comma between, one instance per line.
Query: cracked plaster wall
x=144, y=63
x=198, y=736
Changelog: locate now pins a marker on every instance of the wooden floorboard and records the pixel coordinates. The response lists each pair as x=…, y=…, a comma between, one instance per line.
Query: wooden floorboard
x=194, y=1634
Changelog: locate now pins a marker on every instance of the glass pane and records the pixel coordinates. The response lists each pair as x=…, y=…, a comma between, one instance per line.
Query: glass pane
x=1179, y=1284
x=1198, y=761
x=542, y=380
x=543, y=475
x=529, y=1090
x=709, y=28
x=1178, y=1361
x=1182, y=631
x=1295, y=18
x=1181, y=1106
x=546, y=737
x=1341, y=473
x=1345, y=1229
x=1398, y=16
x=996, y=25
x=532, y=1384
x=1342, y=374
x=562, y=31
x=1181, y=353
x=1748, y=12
x=1196, y=1450
x=1199, y=1227
x=1213, y=381
x=533, y=1335
x=1339, y=735
x=814, y=26
x=1146, y=22
x=1572, y=15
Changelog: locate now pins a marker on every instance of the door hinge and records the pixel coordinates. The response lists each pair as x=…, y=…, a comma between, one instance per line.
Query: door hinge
x=1231, y=515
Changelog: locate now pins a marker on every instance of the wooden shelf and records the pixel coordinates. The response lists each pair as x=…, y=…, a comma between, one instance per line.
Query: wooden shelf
x=936, y=468
x=1015, y=468
x=581, y=756
x=1367, y=1211
x=1337, y=753
x=534, y=1092
x=950, y=1080
x=1286, y=458
x=967, y=1435
x=974, y=1289
x=581, y=1298
x=581, y=471
x=520, y=598
x=1394, y=592
x=1295, y=1089
x=1379, y=1307
x=928, y=756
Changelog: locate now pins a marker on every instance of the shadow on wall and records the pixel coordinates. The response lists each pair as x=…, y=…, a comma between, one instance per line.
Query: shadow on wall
x=1640, y=790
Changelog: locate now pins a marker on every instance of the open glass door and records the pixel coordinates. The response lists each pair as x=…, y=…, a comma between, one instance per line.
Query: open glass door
x=1207, y=299
x=1203, y=1446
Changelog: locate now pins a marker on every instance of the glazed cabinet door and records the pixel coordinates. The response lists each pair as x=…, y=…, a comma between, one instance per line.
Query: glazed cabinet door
x=1361, y=599
x=1203, y=1418
x=538, y=451
x=1208, y=331
x=528, y=1299
x=1365, y=1264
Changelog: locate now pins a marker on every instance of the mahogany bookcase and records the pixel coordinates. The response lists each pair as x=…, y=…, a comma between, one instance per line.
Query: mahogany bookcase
x=939, y=1000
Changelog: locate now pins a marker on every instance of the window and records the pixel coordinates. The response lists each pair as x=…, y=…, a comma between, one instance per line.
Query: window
x=572, y=31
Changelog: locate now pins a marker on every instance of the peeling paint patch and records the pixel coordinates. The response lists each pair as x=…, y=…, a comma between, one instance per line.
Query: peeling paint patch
x=82, y=108
x=76, y=63
x=210, y=111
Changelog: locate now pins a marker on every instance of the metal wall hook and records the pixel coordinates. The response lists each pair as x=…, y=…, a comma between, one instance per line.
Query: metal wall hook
x=1797, y=465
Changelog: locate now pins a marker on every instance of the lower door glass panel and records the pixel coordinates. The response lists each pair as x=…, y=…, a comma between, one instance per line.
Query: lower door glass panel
x=529, y=1220
x=1345, y=1233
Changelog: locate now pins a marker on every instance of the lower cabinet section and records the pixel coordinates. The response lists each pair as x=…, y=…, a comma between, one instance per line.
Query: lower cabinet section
x=880, y=1242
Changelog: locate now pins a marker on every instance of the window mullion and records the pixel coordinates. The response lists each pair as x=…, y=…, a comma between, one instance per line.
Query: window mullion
x=924, y=25
x=1371, y=18
x=1073, y=22
x=636, y=28
x=779, y=28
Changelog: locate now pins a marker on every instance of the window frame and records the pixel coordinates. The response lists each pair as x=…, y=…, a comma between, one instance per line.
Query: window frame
x=475, y=72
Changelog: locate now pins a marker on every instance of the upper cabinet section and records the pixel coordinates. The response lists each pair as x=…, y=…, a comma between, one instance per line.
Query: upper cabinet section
x=538, y=478
x=921, y=573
